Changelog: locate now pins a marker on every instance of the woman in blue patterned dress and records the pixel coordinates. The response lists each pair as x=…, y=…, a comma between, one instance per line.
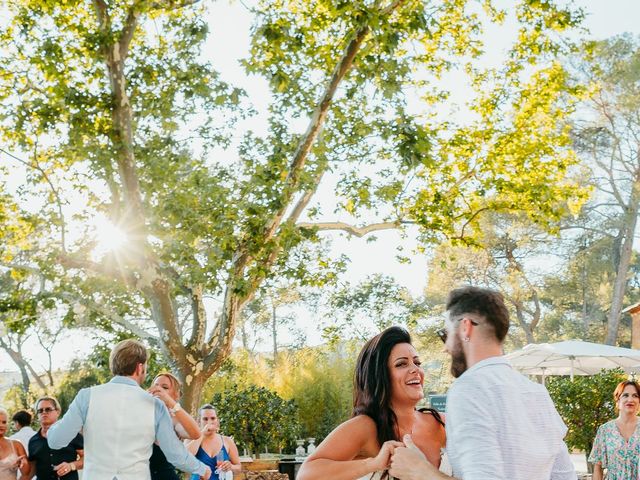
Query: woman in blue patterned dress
x=616, y=449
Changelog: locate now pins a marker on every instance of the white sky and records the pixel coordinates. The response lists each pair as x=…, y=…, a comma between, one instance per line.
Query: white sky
x=229, y=42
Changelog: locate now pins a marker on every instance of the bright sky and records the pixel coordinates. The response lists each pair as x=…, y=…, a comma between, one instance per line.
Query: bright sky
x=229, y=42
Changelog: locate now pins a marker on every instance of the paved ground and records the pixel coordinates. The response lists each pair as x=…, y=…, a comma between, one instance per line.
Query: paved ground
x=580, y=462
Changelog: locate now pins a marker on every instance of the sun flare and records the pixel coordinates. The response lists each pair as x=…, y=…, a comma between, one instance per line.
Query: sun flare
x=109, y=237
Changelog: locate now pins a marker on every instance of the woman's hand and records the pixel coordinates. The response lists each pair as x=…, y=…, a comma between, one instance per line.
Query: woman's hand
x=382, y=460
x=208, y=428
x=597, y=471
x=19, y=462
x=225, y=466
x=163, y=395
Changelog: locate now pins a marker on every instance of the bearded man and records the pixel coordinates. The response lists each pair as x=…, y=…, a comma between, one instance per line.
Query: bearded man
x=499, y=424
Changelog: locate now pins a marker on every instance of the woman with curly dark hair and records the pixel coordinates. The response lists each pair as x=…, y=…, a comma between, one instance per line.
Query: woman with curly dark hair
x=388, y=384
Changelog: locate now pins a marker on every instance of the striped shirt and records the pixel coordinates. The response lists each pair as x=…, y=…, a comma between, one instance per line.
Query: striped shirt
x=502, y=426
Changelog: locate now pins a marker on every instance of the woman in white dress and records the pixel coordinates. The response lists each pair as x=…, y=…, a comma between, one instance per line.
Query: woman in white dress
x=388, y=384
x=12, y=454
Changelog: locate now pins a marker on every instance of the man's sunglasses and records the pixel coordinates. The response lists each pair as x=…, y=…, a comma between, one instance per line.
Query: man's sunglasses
x=442, y=332
x=45, y=410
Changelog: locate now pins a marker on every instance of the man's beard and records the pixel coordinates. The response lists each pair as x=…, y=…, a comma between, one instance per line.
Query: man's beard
x=458, y=359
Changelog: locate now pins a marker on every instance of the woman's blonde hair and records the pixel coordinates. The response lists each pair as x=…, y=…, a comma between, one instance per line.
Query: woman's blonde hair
x=173, y=380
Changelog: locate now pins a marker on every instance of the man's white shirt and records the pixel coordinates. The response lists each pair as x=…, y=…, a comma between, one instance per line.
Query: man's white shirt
x=23, y=436
x=502, y=426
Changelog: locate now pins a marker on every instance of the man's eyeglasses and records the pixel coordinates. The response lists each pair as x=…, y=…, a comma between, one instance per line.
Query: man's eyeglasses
x=45, y=410
x=442, y=332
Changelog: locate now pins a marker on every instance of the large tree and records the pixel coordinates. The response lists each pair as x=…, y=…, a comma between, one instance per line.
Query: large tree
x=607, y=134
x=113, y=109
x=513, y=256
x=22, y=295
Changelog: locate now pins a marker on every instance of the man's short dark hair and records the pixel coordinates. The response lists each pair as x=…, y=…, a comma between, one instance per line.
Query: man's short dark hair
x=22, y=417
x=484, y=302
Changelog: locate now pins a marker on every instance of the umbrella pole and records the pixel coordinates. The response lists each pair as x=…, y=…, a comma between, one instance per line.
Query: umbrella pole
x=572, y=358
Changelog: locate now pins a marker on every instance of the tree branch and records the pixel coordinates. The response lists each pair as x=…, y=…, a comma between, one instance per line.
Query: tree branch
x=36, y=166
x=85, y=265
x=102, y=12
x=315, y=124
x=468, y=222
x=587, y=229
x=242, y=257
x=127, y=32
x=352, y=229
x=173, y=5
x=305, y=199
x=108, y=313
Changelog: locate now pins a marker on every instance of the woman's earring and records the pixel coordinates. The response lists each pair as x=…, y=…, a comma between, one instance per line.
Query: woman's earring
x=466, y=339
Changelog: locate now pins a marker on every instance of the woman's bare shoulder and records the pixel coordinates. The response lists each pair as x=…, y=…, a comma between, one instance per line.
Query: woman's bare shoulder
x=361, y=421
x=361, y=426
x=227, y=439
x=430, y=424
x=353, y=438
x=431, y=417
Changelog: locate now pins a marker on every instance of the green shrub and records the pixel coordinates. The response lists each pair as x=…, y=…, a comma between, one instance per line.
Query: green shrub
x=584, y=404
x=257, y=418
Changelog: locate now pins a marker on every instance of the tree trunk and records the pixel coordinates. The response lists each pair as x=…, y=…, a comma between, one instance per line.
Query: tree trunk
x=202, y=358
x=50, y=368
x=26, y=382
x=515, y=265
x=195, y=361
x=523, y=324
x=585, y=313
x=620, y=284
x=244, y=336
x=192, y=392
x=24, y=367
x=274, y=331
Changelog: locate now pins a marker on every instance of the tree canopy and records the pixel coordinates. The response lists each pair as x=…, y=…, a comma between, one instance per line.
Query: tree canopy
x=114, y=111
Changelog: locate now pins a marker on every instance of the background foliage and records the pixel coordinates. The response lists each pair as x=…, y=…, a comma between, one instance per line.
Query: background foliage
x=258, y=419
x=585, y=403
x=112, y=110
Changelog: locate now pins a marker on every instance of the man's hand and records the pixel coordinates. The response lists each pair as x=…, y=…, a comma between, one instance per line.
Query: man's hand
x=63, y=469
x=409, y=463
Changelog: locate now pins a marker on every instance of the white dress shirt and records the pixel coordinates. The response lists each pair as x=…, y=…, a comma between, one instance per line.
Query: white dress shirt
x=23, y=436
x=502, y=426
